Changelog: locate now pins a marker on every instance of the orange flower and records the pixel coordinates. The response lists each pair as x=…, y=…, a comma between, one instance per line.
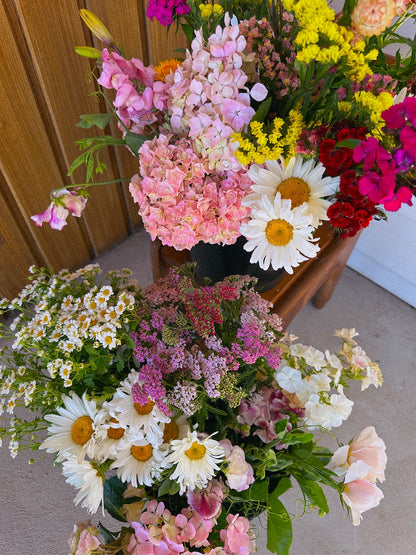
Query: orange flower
x=165, y=67
x=371, y=17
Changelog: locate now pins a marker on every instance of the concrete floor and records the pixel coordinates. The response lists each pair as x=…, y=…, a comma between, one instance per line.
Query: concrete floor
x=37, y=510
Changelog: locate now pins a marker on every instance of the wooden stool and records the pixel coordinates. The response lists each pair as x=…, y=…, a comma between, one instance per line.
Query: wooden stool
x=315, y=278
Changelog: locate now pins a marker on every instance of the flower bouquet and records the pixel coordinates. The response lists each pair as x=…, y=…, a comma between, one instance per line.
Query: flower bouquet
x=182, y=411
x=280, y=116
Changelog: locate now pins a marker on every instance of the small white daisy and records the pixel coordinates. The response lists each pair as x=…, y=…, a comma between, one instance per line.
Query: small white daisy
x=299, y=181
x=72, y=429
x=110, y=437
x=279, y=236
x=196, y=460
x=87, y=479
x=140, y=463
x=175, y=429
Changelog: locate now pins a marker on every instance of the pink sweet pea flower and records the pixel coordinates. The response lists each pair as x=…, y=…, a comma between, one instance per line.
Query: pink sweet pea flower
x=368, y=447
x=54, y=215
x=208, y=502
x=359, y=493
x=239, y=472
x=58, y=210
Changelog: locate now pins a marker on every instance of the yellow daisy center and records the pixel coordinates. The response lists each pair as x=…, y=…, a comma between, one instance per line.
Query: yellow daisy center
x=115, y=433
x=279, y=232
x=294, y=189
x=170, y=432
x=141, y=452
x=195, y=452
x=82, y=430
x=144, y=409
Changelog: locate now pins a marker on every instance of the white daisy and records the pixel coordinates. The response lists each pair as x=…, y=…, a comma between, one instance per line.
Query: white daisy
x=279, y=236
x=72, y=429
x=110, y=437
x=196, y=460
x=87, y=479
x=140, y=463
x=299, y=181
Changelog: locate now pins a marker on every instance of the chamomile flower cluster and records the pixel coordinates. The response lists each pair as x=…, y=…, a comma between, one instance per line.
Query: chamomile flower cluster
x=65, y=331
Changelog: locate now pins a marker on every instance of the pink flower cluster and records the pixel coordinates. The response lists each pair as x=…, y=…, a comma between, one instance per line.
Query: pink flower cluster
x=165, y=11
x=268, y=407
x=137, y=94
x=208, y=97
x=275, y=64
x=160, y=532
x=383, y=169
x=181, y=201
x=363, y=462
x=181, y=345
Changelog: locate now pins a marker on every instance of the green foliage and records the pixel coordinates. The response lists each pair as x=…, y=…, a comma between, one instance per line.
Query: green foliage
x=113, y=497
x=279, y=524
x=89, y=120
x=91, y=157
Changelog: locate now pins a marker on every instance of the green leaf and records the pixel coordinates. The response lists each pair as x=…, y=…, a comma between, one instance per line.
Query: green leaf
x=280, y=465
x=108, y=536
x=282, y=487
x=135, y=141
x=168, y=487
x=188, y=30
x=348, y=143
x=262, y=110
x=279, y=525
x=88, y=52
x=315, y=494
x=89, y=120
x=113, y=497
x=256, y=492
x=297, y=436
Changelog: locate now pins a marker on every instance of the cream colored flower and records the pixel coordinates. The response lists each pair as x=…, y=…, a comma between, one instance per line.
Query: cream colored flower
x=299, y=181
x=278, y=236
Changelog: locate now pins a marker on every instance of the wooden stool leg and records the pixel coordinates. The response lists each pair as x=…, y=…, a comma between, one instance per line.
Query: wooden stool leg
x=324, y=293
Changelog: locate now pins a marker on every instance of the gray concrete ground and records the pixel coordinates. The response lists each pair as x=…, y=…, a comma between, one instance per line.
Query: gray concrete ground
x=37, y=510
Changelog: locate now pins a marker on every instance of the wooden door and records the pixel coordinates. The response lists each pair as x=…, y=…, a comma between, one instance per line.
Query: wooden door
x=44, y=87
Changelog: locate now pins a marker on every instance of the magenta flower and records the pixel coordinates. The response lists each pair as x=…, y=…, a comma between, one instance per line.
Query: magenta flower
x=208, y=502
x=394, y=202
x=166, y=10
x=408, y=138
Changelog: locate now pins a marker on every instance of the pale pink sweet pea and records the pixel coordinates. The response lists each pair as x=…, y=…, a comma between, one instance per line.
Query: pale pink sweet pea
x=360, y=494
x=371, y=449
x=239, y=472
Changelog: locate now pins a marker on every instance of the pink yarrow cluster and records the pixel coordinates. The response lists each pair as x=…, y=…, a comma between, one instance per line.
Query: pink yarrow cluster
x=162, y=533
x=192, y=353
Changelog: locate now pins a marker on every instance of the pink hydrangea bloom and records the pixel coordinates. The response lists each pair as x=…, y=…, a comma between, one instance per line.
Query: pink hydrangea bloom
x=236, y=537
x=181, y=201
